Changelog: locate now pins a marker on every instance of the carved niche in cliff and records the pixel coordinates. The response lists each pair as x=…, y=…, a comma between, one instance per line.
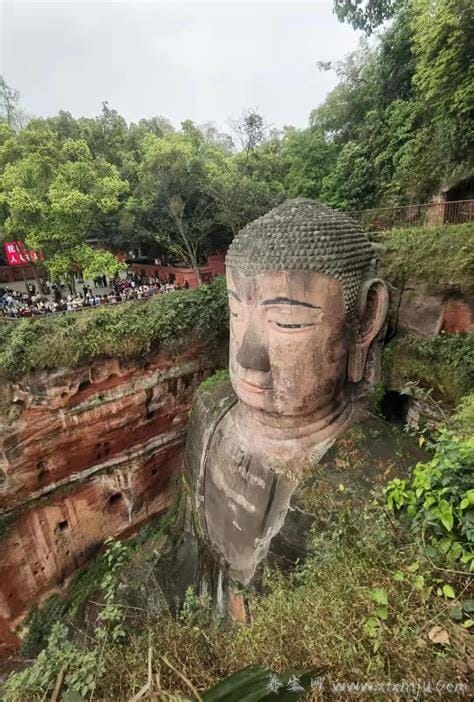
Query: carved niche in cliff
x=306, y=319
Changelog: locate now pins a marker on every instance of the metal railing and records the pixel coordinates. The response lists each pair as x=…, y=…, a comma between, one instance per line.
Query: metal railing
x=424, y=215
x=84, y=308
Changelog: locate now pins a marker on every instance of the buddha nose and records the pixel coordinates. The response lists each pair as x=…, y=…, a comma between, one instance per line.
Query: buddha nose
x=252, y=353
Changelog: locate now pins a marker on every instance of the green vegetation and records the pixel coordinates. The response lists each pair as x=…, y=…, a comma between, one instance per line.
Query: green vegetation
x=355, y=626
x=438, y=500
x=462, y=421
x=400, y=115
x=431, y=255
x=396, y=127
x=84, y=665
x=220, y=376
x=89, y=583
x=50, y=194
x=443, y=363
x=168, y=322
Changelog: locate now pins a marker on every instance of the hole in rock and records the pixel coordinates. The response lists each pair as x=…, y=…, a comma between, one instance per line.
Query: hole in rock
x=394, y=407
x=62, y=526
x=42, y=471
x=84, y=385
x=115, y=502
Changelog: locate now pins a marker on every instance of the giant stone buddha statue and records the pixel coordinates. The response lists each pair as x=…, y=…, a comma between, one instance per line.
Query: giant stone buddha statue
x=305, y=313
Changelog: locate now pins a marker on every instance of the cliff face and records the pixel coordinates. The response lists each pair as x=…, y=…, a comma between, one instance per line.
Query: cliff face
x=84, y=455
x=427, y=312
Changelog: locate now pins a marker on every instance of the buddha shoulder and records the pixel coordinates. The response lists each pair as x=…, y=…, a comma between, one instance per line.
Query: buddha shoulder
x=212, y=401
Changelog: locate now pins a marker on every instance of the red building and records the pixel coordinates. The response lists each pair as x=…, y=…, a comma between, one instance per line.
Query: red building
x=215, y=266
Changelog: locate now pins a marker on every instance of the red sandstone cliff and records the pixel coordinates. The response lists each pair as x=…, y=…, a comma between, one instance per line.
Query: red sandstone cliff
x=90, y=455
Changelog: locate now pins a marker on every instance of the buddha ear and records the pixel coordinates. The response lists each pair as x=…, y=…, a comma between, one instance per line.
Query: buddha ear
x=372, y=313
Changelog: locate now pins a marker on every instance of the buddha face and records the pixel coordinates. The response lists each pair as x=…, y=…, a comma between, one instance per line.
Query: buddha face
x=289, y=341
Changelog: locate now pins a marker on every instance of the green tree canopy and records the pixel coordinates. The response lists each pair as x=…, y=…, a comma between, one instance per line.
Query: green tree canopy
x=51, y=195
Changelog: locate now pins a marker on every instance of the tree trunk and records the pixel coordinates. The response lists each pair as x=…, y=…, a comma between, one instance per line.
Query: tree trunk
x=37, y=278
x=198, y=275
x=73, y=283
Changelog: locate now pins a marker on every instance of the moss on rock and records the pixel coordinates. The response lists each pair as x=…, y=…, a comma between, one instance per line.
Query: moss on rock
x=444, y=363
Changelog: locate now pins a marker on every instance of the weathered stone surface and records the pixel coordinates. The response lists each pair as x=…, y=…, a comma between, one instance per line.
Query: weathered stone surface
x=368, y=455
x=304, y=235
x=305, y=316
x=427, y=312
x=89, y=455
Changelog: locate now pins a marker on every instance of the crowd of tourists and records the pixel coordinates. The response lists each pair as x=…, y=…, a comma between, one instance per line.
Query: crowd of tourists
x=56, y=298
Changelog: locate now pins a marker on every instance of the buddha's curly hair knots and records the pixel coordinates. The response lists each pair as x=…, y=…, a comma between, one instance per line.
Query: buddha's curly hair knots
x=304, y=235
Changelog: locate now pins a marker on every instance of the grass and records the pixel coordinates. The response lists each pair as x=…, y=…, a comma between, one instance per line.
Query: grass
x=462, y=422
x=315, y=616
x=431, y=255
x=321, y=614
x=220, y=376
x=122, y=331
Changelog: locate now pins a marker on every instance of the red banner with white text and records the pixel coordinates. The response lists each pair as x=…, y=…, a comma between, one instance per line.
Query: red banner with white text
x=18, y=255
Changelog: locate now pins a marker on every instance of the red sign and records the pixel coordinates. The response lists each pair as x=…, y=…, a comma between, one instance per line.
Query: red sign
x=17, y=255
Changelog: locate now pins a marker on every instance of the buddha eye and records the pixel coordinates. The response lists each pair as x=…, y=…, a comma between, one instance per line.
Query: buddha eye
x=293, y=326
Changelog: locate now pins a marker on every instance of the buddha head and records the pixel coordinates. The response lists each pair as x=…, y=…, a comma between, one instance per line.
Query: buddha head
x=303, y=309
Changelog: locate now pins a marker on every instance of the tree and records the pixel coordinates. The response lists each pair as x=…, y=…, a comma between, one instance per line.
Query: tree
x=9, y=98
x=10, y=110
x=51, y=195
x=366, y=14
x=241, y=198
x=251, y=130
x=173, y=198
x=443, y=46
x=351, y=185
x=309, y=156
x=404, y=105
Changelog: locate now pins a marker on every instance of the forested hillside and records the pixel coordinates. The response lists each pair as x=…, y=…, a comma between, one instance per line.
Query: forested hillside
x=397, y=127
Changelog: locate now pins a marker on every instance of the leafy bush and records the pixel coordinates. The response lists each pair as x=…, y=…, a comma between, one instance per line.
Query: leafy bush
x=438, y=500
x=116, y=331
x=431, y=254
x=40, y=622
x=86, y=582
x=462, y=421
x=83, y=668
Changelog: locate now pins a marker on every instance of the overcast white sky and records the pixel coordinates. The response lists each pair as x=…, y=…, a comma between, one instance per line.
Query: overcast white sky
x=205, y=61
